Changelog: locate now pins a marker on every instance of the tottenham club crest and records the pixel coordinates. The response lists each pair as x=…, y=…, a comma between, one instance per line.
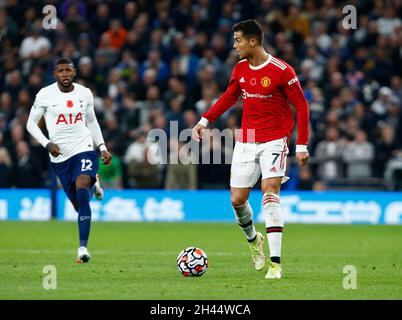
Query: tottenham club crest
x=265, y=82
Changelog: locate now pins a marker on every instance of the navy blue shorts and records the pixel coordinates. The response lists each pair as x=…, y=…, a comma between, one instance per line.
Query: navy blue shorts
x=68, y=171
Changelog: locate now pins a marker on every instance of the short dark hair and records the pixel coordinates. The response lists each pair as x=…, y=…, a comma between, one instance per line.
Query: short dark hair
x=64, y=61
x=250, y=28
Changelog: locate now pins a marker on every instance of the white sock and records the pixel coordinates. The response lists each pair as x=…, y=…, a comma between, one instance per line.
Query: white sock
x=244, y=217
x=274, y=224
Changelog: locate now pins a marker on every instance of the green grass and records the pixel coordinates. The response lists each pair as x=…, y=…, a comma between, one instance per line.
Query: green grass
x=138, y=261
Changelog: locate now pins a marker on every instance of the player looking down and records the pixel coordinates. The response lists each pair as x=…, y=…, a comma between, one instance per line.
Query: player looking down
x=266, y=85
x=68, y=110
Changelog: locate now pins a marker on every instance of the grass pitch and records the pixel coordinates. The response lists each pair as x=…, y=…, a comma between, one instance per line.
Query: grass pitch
x=138, y=261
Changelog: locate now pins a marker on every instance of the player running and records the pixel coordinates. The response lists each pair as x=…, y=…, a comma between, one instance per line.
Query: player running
x=68, y=109
x=266, y=85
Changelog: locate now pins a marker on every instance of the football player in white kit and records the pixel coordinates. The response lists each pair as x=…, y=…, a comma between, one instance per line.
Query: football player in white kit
x=68, y=110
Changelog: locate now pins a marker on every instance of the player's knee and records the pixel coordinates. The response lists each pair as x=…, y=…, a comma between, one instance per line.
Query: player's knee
x=237, y=200
x=83, y=182
x=271, y=185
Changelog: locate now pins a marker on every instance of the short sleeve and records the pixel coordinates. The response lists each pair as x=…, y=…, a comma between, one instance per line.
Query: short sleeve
x=40, y=101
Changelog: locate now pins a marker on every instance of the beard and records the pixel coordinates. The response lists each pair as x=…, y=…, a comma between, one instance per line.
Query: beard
x=66, y=84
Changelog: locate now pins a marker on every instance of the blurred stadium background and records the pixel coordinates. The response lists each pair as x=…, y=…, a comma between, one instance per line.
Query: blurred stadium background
x=152, y=62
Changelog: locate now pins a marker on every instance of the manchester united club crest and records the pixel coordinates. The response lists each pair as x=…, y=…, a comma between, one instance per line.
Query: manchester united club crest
x=265, y=82
x=70, y=104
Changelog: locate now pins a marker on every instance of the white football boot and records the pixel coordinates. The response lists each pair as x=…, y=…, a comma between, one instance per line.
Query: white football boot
x=274, y=271
x=83, y=255
x=257, y=252
x=98, y=189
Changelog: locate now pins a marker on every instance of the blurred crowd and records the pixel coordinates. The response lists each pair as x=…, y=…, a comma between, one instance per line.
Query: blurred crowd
x=152, y=62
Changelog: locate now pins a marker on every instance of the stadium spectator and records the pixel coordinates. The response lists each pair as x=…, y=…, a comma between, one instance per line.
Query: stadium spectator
x=181, y=171
x=13, y=83
x=100, y=21
x=181, y=15
x=66, y=5
x=116, y=35
x=389, y=22
x=381, y=104
x=358, y=156
x=151, y=106
x=141, y=163
x=154, y=62
x=328, y=155
x=393, y=172
x=85, y=45
x=305, y=179
x=74, y=19
x=210, y=175
x=6, y=168
x=128, y=116
x=175, y=113
x=26, y=169
x=113, y=135
x=130, y=13
x=8, y=28
x=209, y=97
x=396, y=87
x=35, y=45
x=386, y=147
x=6, y=107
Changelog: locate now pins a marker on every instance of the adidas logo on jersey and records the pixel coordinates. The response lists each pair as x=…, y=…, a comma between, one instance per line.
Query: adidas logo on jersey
x=273, y=169
x=242, y=80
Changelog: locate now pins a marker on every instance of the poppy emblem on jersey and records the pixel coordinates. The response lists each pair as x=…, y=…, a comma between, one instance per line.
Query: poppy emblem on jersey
x=70, y=104
x=253, y=81
x=265, y=82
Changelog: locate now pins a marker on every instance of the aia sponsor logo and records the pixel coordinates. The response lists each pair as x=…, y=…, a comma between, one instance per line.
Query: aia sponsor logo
x=265, y=82
x=69, y=118
x=70, y=103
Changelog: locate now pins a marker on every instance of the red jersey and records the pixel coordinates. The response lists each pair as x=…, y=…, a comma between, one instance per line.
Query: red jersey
x=266, y=91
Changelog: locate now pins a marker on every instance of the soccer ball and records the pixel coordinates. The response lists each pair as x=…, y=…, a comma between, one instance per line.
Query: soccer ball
x=192, y=261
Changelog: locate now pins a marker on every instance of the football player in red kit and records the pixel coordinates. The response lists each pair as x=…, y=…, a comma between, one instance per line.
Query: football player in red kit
x=266, y=86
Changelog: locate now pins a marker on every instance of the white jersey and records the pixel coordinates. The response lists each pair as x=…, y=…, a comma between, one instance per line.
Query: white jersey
x=70, y=120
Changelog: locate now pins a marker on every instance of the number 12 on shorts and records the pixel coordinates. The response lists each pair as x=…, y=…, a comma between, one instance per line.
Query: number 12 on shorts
x=86, y=165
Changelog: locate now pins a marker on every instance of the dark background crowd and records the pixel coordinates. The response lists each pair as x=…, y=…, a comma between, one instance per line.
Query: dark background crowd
x=149, y=63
